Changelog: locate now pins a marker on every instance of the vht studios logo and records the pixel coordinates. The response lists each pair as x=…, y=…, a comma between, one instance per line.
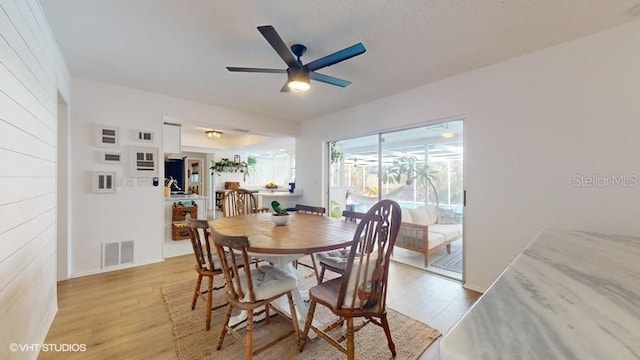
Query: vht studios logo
x=597, y=180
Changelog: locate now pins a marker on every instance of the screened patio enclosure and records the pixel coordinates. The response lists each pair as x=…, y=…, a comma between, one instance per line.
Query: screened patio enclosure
x=416, y=167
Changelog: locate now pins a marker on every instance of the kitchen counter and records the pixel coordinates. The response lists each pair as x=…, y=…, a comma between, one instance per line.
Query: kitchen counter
x=184, y=197
x=269, y=193
x=283, y=196
x=569, y=295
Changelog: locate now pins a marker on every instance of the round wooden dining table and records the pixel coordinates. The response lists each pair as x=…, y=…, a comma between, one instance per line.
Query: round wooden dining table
x=303, y=234
x=281, y=245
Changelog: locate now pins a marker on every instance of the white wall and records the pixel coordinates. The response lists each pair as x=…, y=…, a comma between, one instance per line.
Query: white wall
x=532, y=123
x=133, y=212
x=32, y=72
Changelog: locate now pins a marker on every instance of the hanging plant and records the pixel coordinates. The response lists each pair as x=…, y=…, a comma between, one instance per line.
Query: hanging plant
x=336, y=155
x=226, y=165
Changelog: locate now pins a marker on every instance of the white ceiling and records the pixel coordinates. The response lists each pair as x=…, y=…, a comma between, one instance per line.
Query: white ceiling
x=181, y=47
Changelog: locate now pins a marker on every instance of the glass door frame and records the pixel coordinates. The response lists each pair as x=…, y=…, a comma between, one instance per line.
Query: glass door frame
x=380, y=182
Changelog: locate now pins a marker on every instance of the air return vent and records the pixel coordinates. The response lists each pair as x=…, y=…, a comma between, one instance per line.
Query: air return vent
x=116, y=253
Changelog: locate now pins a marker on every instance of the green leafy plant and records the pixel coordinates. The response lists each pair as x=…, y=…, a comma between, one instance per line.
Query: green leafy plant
x=277, y=209
x=408, y=166
x=336, y=155
x=336, y=209
x=251, y=164
x=226, y=165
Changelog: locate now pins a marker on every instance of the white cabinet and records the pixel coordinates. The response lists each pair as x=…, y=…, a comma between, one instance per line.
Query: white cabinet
x=171, y=143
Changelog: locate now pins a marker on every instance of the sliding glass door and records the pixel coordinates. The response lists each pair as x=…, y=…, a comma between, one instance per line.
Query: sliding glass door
x=353, y=175
x=421, y=169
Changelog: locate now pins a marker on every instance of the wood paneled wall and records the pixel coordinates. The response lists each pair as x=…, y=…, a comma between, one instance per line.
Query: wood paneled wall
x=32, y=76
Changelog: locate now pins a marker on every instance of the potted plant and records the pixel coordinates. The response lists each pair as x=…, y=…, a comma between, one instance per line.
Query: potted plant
x=280, y=216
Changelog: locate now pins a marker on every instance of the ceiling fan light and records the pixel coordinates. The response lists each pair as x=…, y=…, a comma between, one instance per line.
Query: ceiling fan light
x=298, y=86
x=298, y=79
x=213, y=134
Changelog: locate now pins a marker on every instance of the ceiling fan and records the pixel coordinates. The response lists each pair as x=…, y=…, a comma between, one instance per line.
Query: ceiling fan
x=298, y=74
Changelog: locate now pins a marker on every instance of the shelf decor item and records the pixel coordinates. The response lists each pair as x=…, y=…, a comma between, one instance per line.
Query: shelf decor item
x=271, y=185
x=227, y=166
x=179, y=228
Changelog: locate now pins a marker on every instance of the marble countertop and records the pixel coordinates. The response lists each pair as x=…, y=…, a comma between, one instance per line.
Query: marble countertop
x=569, y=295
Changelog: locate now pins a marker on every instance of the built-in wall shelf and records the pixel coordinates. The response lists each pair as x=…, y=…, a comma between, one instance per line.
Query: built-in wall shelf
x=194, y=174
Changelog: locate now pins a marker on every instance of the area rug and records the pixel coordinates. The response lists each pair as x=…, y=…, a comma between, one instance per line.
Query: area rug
x=410, y=336
x=450, y=262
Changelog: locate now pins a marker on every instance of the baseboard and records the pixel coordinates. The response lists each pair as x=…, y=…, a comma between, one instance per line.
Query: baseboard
x=475, y=288
x=115, y=268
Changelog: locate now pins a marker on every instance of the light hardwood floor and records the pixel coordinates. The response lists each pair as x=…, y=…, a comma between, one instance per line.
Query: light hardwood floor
x=121, y=314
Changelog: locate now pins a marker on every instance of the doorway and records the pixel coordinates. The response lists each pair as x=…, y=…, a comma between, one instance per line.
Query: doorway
x=62, y=192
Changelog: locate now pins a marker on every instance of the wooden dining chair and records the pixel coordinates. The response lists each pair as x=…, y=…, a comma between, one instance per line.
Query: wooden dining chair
x=207, y=264
x=250, y=289
x=336, y=260
x=315, y=210
x=240, y=202
x=361, y=292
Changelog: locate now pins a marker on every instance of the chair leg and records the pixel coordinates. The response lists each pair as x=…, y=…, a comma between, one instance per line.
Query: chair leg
x=307, y=324
x=249, y=344
x=209, y=301
x=266, y=312
x=294, y=317
x=196, y=292
x=351, y=351
x=426, y=257
x=315, y=268
x=387, y=331
x=225, y=323
x=321, y=275
x=449, y=248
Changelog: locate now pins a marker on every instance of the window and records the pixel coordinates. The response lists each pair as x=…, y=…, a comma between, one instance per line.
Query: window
x=278, y=168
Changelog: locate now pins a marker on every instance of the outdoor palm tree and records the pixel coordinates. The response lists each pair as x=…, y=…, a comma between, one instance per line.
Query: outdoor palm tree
x=409, y=167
